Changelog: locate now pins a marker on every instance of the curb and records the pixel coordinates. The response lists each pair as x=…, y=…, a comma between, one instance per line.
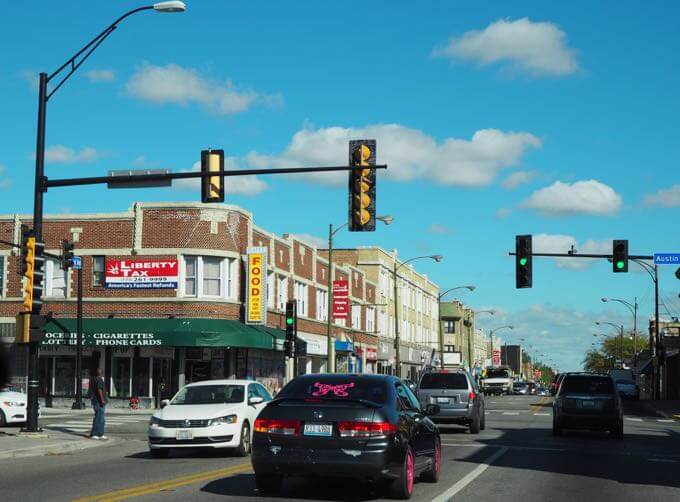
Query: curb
x=55, y=448
x=661, y=413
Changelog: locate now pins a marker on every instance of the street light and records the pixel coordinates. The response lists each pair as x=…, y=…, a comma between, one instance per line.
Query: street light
x=619, y=327
x=439, y=306
x=633, y=310
x=40, y=185
x=387, y=220
x=395, y=269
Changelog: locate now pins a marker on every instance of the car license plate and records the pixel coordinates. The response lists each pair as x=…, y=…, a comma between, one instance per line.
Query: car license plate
x=443, y=400
x=184, y=435
x=588, y=404
x=318, y=430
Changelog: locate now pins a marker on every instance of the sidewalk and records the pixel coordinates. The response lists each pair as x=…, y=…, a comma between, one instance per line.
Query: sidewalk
x=668, y=409
x=48, y=412
x=14, y=444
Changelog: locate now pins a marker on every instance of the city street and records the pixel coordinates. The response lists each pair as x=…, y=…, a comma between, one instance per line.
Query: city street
x=516, y=454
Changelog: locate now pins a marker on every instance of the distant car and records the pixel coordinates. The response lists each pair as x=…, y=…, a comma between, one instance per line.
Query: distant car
x=12, y=407
x=520, y=388
x=497, y=381
x=543, y=391
x=456, y=393
x=586, y=400
x=628, y=389
x=208, y=414
x=366, y=427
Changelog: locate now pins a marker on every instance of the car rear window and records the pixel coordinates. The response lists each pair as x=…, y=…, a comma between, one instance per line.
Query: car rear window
x=587, y=385
x=336, y=388
x=443, y=381
x=497, y=374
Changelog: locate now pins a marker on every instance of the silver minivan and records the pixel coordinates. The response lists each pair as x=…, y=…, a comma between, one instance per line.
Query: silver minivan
x=457, y=395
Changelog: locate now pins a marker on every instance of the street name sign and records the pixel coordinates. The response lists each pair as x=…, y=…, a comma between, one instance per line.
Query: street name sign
x=667, y=258
x=77, y=263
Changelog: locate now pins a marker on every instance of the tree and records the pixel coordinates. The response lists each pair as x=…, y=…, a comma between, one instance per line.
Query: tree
x=606, y=357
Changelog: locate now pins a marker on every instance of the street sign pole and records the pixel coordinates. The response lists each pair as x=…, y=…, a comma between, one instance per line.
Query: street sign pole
x=78, y=405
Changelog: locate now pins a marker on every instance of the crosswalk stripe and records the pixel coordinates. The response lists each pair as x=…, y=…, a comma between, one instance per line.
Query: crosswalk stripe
x=634, y=419
x=510, y=413
x=542, y=414
x=665, y=420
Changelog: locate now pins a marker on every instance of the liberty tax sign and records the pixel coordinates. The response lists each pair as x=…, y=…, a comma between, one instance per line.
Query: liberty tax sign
x=142, y=274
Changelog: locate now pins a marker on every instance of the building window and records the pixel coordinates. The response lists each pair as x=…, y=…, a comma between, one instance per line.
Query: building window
x=356, y=316
x=190, y=272
x=449, y=326
x=281, y=292
x=98, y=270
x=300, y=295
x=2, y=276
x=209, y=277
x=55, y=279
x=212, y=277
x=271, y=299
x=370, y=320
x=321, y=305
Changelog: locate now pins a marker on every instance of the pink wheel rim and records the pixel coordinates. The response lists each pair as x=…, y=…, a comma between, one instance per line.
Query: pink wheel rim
x=409, y=471
x=437, y=458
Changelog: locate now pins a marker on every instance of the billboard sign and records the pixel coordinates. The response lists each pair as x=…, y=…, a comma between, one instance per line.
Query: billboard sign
x=256, y=294
x=496, y=357
x=452, y=358
x=145, y=273
x=340, y=299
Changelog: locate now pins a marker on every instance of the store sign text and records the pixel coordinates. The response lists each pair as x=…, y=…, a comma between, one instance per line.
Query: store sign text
x=141, y=274
x=103, y=339
x=256, y=301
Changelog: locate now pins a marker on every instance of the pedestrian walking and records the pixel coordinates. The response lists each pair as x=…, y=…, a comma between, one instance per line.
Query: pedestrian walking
x=99, y=401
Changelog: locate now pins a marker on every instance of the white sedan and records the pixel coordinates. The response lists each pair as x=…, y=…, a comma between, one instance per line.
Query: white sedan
x=209, y=414
x=12, y=407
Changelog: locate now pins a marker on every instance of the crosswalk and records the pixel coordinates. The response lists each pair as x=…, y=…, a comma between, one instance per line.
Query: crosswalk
x=84, y=425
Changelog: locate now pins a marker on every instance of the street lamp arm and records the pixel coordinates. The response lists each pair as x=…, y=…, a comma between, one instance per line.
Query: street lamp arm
x=92, y=46
x=415, y=258
x=339, y=228
x=470, y=288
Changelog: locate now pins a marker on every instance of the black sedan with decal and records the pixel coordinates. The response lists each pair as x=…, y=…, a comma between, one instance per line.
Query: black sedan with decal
x=368, y=427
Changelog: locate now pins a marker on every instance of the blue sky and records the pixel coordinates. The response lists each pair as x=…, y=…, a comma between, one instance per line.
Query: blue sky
x=495, y=119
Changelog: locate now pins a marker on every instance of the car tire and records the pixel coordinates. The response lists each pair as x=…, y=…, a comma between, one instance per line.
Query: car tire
x=243, y=448
x=556, y=428
x=482, y=420
x=617, y=431
x=402, y=487
x=432, y=474
x=3, y=420
x=159, y=452
x=268, y=483
x=475, y=425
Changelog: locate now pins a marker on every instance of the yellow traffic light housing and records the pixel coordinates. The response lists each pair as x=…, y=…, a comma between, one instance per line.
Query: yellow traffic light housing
x=29, y=274
x=212, y=187
x=23, y=328
x=362, y=189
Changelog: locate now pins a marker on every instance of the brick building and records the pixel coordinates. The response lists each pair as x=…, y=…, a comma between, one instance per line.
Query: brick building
x=150, y=342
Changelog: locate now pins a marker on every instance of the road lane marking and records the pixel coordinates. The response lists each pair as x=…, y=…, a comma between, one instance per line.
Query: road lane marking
x=665, y=420
x=470, y=477
x=633, y=419
x=508, y=446
x=168, y=484
x=511, y=413
x=664, y=460
x=542, y=414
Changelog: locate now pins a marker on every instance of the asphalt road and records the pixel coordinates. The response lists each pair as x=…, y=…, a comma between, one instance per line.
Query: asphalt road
x=515, y=458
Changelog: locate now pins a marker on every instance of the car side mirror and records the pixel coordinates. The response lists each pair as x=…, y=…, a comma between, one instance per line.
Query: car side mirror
x=164, y=403
x=432, y=409
x=255, y=400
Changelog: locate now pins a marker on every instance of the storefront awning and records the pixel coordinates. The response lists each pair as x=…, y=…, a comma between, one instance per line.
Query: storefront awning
x=149, y=332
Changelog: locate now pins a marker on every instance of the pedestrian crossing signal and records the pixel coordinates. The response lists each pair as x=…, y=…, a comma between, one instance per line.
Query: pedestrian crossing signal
x=362, y=185
x=212, y=181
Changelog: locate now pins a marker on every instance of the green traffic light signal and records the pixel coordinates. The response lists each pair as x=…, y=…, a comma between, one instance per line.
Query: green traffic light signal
x=289, y=321
x=523, y=261
x=620, y=265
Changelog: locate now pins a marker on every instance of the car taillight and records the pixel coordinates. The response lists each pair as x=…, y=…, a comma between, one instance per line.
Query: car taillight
x=283, y=427
x=471, y=396
x=365, y=429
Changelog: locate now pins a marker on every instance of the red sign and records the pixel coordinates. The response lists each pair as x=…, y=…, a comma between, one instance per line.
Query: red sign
x=371, y=354
x=340, y=299
x=142, y=273
x=496, y=357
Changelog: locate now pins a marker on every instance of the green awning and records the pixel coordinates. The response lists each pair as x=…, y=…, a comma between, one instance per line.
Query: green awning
x=147, y=332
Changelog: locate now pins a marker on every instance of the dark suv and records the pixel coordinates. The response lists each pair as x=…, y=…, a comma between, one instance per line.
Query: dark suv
x=456, y=393
x=586, y=400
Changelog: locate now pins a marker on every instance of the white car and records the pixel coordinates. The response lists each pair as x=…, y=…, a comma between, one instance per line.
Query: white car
x=12, y=407
x=209, y=414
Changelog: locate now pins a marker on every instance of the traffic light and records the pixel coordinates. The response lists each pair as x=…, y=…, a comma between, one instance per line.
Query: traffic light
x=32, y=276
x=291, y=320
x=523, y=273
x=212, y=187
x=25, y=234
x=288, y=348
x=23, y=325
x=300, y=347
x=66, y=254
x=362, y=189
x=620, y=256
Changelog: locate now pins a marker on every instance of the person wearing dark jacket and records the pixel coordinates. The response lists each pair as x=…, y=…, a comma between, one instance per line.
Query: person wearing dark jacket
x=98, y=399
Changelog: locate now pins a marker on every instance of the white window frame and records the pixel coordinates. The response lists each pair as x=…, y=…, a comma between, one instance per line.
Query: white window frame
x=301, y=296
x=227, y=277
x=48, y=282
x=370, y=319
x=356, y=316
x=281, y=291
x=103, y=271
x=271, y=283
x=322, y=304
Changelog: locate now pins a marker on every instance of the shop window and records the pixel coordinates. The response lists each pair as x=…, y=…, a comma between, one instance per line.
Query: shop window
x=120, y=377
x=64, y=376
x=98, y=270
x=140, y=377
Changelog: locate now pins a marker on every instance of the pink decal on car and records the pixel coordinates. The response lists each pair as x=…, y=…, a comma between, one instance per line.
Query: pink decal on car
x=340, y=390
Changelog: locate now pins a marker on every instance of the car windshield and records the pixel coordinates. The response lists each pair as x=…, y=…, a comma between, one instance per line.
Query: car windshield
x=210, y=394
x=497, y=374
x=443, y=381
x=336, y=388
x=591, y=385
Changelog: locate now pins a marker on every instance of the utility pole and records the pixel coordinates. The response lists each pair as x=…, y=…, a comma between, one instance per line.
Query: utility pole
x=330, y=367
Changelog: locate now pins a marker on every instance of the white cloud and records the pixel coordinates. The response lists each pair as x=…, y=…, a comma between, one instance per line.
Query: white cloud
x=4, y=182
x=60, y=154
x=313, y=240
x=233, y=185
x=100, y=75
x=556, y=243
x=667, y=197
x=31, y=77
x=503, y=212
x=580, y=197
x=438, y=228
x=409, y=153
x=518, y=178
x=175, y=84
x=537, y=48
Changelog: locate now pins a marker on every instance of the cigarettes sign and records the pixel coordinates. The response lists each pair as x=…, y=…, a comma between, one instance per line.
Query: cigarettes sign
x=141, y=274
x=256, y=296
x=340, y=299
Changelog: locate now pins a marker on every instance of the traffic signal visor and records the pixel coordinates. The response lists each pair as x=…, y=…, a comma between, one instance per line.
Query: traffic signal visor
x=212, y=187
x=29, y=274
x=362, y=186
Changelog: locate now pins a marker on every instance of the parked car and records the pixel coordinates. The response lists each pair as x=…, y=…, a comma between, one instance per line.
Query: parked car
x=628, y=389
x=519, y=388
x=586, y=400
x=12, y=407
x=208, y=414
x=367, y=427
x=456, y=393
